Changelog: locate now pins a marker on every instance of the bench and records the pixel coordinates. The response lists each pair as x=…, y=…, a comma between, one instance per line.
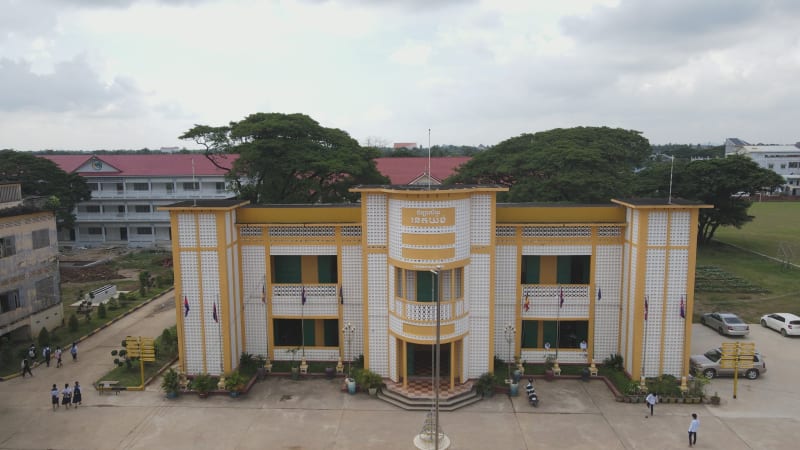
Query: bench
x=109, y=385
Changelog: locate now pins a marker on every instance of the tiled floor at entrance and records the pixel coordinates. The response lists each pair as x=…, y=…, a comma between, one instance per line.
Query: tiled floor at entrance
x=423, y=388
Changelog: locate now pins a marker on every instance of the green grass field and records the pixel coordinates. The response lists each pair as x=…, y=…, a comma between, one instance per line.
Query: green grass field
x=736, y=280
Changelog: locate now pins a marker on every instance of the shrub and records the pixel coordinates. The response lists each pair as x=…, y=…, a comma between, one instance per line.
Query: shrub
x=203, y=383
x=614, y=361
x=44, y=337
x=170, y=383
x=101, y=311
x=235, y=381
x=248, y=364
x=485, y=384
x=73, y=323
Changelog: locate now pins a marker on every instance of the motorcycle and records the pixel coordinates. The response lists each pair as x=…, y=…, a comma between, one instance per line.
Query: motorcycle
x=533, y=398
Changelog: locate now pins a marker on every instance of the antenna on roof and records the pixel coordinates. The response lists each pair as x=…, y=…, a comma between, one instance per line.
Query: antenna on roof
x=671, y=166
x=193, y=184
x=429, y=159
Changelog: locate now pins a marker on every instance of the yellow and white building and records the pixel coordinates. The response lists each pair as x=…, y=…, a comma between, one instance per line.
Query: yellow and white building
x=551, y=274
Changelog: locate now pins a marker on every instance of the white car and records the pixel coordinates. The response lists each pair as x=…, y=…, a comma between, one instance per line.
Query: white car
x=785, y=323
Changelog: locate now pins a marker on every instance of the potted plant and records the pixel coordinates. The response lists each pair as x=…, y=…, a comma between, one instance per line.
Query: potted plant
x=234, y=383
x=295, y=370
x=203, y=383
x=350, y=380
x=369, y=381
x=549, y=362
x=170, y=383
x=485, y=385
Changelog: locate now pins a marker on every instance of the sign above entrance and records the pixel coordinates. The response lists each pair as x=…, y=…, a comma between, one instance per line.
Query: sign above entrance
x=429, y=217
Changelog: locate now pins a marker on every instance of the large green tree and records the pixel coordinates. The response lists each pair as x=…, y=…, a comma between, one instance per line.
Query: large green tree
x=289, y=158
x=578, y=165
x=720, y=182
x=43, y=178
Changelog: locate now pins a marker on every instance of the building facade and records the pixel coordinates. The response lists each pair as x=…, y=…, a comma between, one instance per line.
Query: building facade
x=510, y=280
x=781, y=159
x=127, y=190
x=30, y=298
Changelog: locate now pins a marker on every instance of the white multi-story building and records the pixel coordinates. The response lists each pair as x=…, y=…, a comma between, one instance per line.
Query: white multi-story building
x=782, y=159
x=127, y=190
x=29, y=294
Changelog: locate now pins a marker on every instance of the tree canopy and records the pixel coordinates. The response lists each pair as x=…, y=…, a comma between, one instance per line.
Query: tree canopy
x=289, y=158
x=578, y=165
x=724, y=183
x=41, y=177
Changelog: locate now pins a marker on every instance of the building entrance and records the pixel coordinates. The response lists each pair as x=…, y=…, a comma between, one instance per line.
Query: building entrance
x=420, y=360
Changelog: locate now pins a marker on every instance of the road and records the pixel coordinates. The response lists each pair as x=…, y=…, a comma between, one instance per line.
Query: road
x=280, y=413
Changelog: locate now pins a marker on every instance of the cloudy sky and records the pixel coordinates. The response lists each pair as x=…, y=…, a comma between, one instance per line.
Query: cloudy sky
x=129, y=74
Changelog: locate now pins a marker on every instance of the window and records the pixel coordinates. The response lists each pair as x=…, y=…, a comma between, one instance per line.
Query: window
x=7, y=247
x=121, y=209
x=94, y=230
x=93, y=186
x=573, y=269
x=426, y=291
x=170, y=188
x=144, y=230
x=41, y=238
x=192, y=186
x=92, y=208
x=530, y=269
x=286, y=269
x=141, y=187
x=142, y=208
x=220, y=187
x=794, y=165
x=308, y=332
x=770, y=166
x=398, y=282
x=327, y=271
x=9, y=301
x=561, y=334
x=120, y=187
x=783, y=166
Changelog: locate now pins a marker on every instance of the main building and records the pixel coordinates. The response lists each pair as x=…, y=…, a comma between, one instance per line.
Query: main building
x=527, y=280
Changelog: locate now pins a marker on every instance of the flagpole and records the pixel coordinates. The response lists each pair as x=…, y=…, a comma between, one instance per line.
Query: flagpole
x=644, y=350
x=219, y=336
x=558, y=319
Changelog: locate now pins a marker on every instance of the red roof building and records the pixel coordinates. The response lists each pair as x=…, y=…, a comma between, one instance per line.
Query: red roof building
x=414, y=170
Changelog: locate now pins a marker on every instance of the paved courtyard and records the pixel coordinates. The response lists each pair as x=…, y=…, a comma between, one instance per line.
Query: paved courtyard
x=313, y=414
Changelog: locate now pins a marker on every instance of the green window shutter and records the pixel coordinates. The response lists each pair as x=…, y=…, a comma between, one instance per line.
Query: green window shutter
x=425, y=282
x=326, y=269
x=564, y=270
x=530, y=333
x=530, y=269
x=308, y=332
x=288, y=269
x=331, y=327
x=582, y=265
x=549, y=333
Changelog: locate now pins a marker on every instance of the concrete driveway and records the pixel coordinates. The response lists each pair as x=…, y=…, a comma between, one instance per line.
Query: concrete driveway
x=313, y=414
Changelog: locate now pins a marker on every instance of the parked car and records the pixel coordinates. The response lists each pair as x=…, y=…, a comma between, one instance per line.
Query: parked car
x=708, y=365
x=785, y=323
x=726, y=323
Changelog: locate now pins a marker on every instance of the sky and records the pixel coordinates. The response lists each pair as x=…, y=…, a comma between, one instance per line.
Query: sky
x=132, y=74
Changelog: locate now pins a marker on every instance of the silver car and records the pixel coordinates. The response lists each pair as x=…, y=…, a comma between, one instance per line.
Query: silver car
x=708, y=365
x=725, y=323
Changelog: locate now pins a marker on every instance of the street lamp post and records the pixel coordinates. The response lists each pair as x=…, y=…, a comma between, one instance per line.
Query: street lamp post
x=510, y=331
x=348, y=331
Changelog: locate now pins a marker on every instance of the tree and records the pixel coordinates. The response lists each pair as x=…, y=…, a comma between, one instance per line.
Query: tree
x=41, y=177
x=289, y=158
x=716, y=182
x=583, y=164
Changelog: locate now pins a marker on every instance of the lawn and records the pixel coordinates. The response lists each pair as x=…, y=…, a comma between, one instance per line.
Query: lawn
x=775, y=223
x=739, y=281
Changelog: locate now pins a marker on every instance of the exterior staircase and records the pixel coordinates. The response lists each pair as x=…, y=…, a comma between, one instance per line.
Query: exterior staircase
x=414, y=400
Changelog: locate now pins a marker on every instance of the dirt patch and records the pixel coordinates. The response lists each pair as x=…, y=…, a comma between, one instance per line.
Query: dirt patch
x=100, y=272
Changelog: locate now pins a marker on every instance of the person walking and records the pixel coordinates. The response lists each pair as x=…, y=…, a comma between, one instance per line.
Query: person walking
x=76, y=395
x=26, y=367
x=693, y=426
x=74, y=351
x=66, y=395
x=54, y=397
x=32, y=353
x=651, y=400
x=58, y=357
x=46, y=353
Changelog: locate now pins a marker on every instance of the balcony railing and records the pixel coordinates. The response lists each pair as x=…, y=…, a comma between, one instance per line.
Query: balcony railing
x=544, y=300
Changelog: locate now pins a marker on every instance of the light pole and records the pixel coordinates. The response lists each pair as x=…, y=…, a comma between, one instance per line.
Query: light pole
x=348, y=331
x=509, y=331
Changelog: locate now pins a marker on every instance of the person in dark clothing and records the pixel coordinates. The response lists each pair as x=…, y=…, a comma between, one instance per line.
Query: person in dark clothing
x=26, y=368
x=76, y=395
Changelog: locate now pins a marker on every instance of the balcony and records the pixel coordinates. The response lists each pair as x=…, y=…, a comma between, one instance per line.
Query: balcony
x=321, y=300
x=417, y=320
x=544, y=300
